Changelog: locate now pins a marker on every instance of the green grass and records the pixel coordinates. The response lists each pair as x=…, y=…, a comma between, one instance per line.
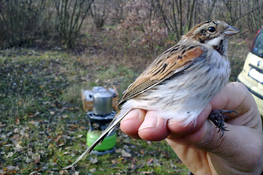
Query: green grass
x=43, y=127
x=166, y=162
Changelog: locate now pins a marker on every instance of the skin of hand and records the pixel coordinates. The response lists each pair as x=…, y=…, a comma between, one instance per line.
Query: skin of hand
x=199, y=145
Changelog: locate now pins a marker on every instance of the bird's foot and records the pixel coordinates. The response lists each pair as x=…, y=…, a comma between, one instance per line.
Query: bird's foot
x=218, y=118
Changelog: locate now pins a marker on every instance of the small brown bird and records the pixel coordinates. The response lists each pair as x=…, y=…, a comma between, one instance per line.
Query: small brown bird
x=182, y=80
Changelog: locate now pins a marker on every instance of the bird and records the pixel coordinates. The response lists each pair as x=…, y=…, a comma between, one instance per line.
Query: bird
x=181, y=81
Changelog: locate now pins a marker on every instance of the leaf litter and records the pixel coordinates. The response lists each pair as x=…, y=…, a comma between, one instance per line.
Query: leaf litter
x=40, y=132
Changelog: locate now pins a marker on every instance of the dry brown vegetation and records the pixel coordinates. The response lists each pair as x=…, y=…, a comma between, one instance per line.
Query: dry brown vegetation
x=45, y=60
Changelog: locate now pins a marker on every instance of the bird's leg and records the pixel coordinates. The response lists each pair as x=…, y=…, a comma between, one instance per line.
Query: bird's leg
x=218, y=118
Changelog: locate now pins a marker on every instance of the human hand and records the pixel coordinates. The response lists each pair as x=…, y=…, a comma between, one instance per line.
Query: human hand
x=199, y=146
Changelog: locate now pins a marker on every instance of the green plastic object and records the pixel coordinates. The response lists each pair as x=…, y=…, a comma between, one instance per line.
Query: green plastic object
x=108, y=143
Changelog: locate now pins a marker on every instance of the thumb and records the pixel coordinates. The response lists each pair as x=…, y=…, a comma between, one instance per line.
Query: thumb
x=241, y=143
x=241, y=140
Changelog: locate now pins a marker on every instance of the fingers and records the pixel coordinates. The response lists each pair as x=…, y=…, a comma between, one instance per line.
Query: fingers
x=132, y=121
x=178, y=130
x=233, y=97
x=202, y=137
x=153, y=128
x=148, y=126
x=238, y=142
x=138, y=124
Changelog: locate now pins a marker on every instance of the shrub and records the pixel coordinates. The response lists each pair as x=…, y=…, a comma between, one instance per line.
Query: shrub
x=21, y=22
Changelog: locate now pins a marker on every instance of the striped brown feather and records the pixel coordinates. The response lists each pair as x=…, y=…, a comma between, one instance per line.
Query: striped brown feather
x=163, y=67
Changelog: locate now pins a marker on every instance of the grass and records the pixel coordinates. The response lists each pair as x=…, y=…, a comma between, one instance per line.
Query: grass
x=43, y=127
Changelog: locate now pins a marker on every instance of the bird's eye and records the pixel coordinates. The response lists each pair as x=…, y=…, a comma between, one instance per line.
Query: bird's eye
x=211, y=29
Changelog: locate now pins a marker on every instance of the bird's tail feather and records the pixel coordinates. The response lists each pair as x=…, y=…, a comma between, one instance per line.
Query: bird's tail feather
x=107, y=131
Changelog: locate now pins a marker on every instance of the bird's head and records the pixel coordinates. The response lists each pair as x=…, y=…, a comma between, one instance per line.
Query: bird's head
x=213, y=34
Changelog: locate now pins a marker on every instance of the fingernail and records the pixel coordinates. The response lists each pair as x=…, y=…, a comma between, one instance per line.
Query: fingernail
x=208, y=135
x=150, y=121
x=133, y=114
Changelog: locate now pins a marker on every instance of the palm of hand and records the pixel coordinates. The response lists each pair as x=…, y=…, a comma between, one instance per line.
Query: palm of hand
x=199, y=146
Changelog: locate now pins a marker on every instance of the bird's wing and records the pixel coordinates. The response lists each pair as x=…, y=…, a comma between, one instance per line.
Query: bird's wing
x=169, y=63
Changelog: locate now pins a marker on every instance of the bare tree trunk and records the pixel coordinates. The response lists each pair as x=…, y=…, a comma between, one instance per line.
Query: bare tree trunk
x=190, y=19
x=180, y=18
x=70, y=16
x=209, y=15
x=175, y=22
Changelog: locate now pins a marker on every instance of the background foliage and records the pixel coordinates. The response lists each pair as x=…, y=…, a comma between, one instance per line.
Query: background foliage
x=50, y=49
x=144, y=22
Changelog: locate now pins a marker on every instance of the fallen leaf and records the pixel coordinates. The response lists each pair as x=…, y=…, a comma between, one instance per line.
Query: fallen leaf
x=57, y=138
x=147, y=172
x=65, y=116
x=125, y=146
x=120, y=159
x=10, y=154
x=92, y=170
x=114, y=161
x=18, y=147
x=74, y=126
x=93, y=160
x=17, y=121
x=61, y=172
x=34, y=123
x=134, y=160
x=125, y=154
x=37, y=113
x=11, y=168
x=19, y=103
x=22, y=132
x=82, y=127
x=30, y=115
x=149, y=160
x=61, y=144
x=28, y=160
x=79, y=136
x=133, y=167
x=118, y=150
x=156, y=162
x=2, y=125
x=37, y=159
x=34, y=173
x=141, y=165
x=15, y=137
x=51, y=145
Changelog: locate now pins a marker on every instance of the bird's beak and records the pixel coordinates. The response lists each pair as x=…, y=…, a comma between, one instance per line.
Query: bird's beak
x=231, y=31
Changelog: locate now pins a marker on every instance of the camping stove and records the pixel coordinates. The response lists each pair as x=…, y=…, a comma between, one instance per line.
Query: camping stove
x=99, y=120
